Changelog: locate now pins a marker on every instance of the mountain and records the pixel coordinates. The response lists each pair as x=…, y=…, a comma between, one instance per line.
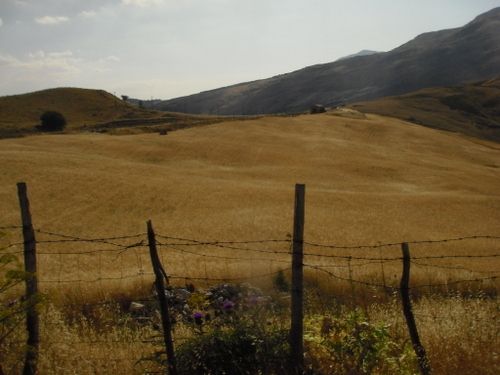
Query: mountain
x=441, y=58
x=364, y=52
x=472, y=109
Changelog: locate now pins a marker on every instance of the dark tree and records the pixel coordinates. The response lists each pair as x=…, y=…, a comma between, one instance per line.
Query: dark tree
x=52, y=121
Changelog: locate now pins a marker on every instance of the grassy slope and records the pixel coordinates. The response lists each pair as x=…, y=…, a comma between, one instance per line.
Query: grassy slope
x=373, y=179
x=368, y=180
x=79, y=106
x=88, y=109
x=472, y=109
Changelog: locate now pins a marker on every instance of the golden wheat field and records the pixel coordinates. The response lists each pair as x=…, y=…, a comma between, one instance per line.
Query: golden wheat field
x=369, y=181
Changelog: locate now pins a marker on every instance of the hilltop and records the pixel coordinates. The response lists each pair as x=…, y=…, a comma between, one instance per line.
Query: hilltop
x=441, y=58
x=87, y=109
x=80, y=107
x=472, y=109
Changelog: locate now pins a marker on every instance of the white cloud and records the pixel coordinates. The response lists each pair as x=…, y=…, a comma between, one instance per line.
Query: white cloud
x=51, y=20
x=110, y=59
x=87, y=13
x=59, y=67
x=142, y=3
x=63, y=62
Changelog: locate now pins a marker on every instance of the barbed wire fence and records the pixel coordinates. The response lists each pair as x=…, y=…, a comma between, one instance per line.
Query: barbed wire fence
x=87, y=268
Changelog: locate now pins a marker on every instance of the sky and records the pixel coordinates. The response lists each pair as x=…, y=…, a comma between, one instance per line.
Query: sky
x=169, y=48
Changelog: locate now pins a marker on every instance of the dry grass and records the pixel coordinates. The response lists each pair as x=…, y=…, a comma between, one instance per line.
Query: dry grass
x=368, y=181
x=79, y=106
x=460, y=335
x=472, y=109
x=114, y=346
x=90, y=110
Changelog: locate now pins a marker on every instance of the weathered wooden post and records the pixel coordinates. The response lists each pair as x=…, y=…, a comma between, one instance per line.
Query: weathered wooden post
x=423, y=361
x=160, y=277
x=32, y=318
x=297, y=325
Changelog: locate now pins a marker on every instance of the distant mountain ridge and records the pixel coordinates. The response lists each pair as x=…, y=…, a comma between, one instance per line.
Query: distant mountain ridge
x=440, y=58
x=363, y=52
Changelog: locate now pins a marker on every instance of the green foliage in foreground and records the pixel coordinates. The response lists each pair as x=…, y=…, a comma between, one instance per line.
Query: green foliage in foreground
x=11, y=275
x=238, y=349
x=11, y=306
x=350, y=344
x=253, y=339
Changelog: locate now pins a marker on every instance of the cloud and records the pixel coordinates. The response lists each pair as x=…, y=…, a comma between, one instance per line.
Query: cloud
x=1, y=22
x=142, y=3
x=87, y=13
x=63, y=62
x=51, y=20
x=59, y=65
x=110, y=59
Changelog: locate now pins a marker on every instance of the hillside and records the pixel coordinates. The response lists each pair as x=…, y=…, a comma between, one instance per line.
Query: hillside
x=79, y=106
x=85, y=109
x=372, y=180
x=442, y=58
x=367, y=180
x=472, y=109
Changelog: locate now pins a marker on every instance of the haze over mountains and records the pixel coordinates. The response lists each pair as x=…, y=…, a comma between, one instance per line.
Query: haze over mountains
x=441, y=58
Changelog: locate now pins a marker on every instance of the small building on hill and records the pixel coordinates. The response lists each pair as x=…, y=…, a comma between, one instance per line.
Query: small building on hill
x=318, y=108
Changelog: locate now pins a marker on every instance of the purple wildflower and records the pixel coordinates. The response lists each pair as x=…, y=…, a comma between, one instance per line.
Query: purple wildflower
x=228, y=305
x=198, y=316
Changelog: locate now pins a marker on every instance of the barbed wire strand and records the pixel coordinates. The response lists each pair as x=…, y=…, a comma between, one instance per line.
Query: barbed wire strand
x=220, y=256
x=448, y=267
x=389, y=244
x=200, y=242
x=7, y=227
x=218, y=245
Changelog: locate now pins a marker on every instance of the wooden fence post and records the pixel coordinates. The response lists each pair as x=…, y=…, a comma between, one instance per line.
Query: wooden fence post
x=160, y=277
x=423, y=361
x=297, y=325
x=32, y=318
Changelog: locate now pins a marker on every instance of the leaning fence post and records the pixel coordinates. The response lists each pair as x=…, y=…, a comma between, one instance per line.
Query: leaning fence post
x=423, y=361
x=160, y=277
x=297, y=325
x=32, y=318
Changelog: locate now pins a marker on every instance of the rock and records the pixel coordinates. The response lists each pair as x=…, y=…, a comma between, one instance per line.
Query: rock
x=136, y=307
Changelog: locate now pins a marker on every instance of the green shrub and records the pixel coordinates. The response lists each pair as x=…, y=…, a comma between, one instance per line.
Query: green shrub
x=52, y=121
x=240, y=349
x=351, y=345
